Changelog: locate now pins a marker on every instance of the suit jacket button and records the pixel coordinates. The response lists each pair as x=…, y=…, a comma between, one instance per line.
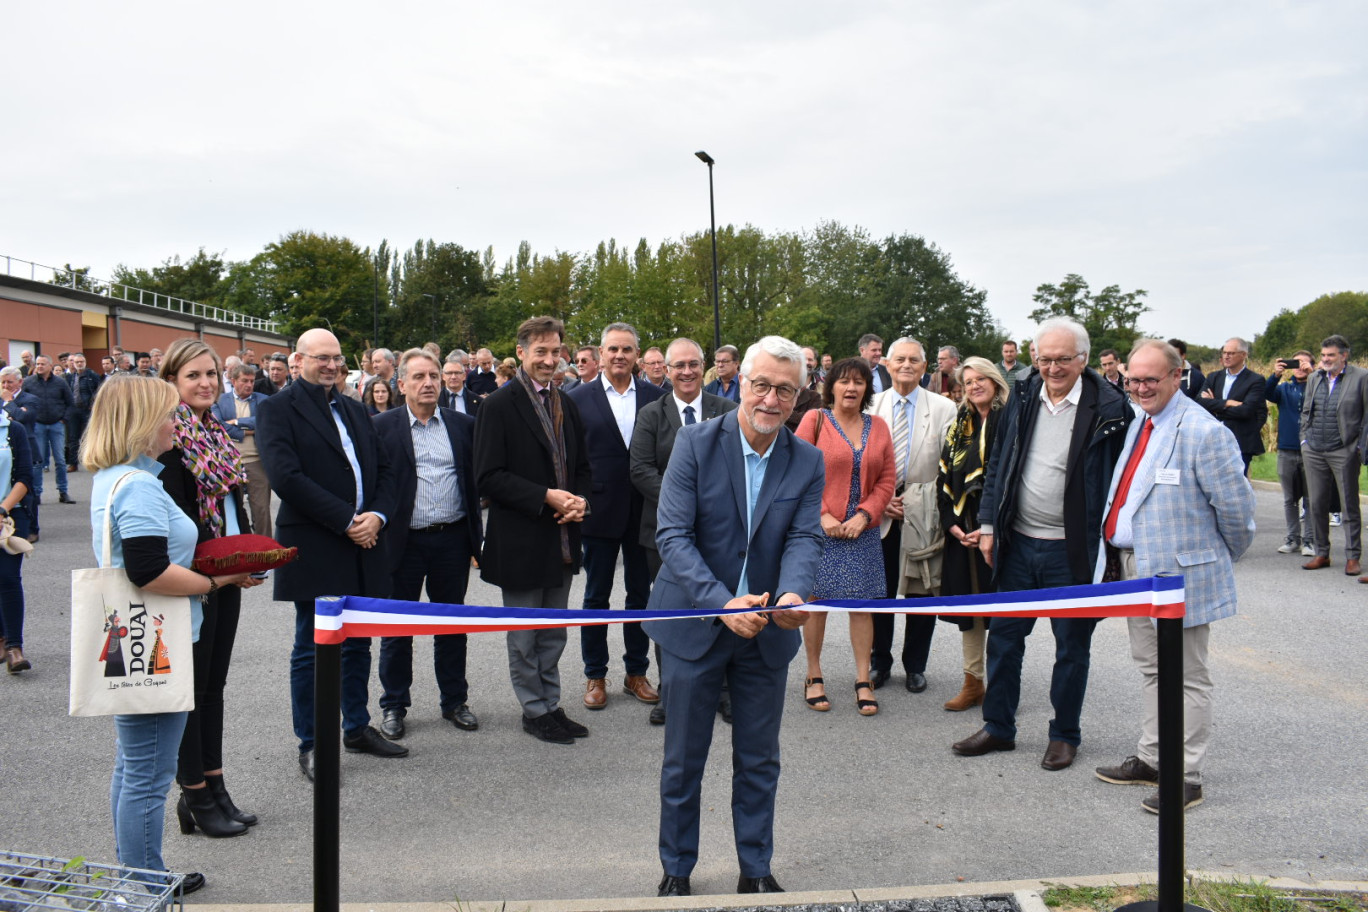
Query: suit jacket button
x=741, y=554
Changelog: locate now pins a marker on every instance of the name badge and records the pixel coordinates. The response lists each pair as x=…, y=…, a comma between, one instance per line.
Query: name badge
x=1166, y=477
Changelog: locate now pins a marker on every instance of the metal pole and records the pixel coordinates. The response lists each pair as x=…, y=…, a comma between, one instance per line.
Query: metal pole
x=708, y=160
x=327, y=775
x=375, y=303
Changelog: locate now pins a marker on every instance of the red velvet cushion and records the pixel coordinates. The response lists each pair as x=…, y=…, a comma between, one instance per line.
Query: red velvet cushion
x=241, y=554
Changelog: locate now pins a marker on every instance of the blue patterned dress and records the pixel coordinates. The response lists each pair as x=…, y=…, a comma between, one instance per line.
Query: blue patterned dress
x=852, y=569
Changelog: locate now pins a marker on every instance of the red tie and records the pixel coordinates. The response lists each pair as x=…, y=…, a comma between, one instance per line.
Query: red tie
x=1123, y=489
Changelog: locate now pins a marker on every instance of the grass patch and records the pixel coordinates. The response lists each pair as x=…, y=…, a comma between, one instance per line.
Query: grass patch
x=1264, y=467
x=1218, y=896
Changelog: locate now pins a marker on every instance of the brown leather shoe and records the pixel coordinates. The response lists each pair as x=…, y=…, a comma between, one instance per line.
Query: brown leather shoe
x=1059, y=755
x=639, y=687
x=1316, y=563
x=1352, y=568
x=14, y=659
x=980, y=743
x=595, y=693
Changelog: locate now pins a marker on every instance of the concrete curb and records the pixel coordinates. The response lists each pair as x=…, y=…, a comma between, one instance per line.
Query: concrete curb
x=1027, y=894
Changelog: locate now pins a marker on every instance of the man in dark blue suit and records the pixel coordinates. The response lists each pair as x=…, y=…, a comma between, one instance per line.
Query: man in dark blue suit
x=455, y=395
x=608, y=406
x=237, y=411
x=739, y=526
x=432, y=535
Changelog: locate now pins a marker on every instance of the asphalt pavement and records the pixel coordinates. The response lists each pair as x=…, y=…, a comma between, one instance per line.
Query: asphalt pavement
x=864, y=803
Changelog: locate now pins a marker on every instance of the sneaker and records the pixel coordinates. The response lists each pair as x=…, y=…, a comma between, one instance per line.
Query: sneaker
x=1290, y=546
x=1308, y=550
x=545, y=728
x=1336, y=519
x=1192, y=796
x=1131, y=771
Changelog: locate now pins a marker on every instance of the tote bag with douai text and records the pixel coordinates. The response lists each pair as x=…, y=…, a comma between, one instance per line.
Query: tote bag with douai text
x=130, y=649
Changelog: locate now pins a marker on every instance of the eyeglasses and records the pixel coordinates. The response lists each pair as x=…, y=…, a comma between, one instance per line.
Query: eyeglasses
x=761, y=388
x=325, y=360
x=1044, y=363
x=721, y=361
x=1146, y=381
x=685, y=365
x=1231, y=354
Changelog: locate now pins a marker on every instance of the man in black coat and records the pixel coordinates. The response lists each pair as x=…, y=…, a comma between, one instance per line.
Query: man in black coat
x=336, y=490
x=530, y=463
x=432, y=535
x=1235, y=397
x=85, y=383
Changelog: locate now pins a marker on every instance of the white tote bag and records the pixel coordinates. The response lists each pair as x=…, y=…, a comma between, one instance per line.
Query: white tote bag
x=130, y=649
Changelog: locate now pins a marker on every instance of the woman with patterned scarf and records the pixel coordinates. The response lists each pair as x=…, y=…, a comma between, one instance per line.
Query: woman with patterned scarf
x=964, y=460
x=204, y=475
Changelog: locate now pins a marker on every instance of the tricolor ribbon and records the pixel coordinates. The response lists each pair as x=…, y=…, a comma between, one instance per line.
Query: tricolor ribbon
x=337, y=618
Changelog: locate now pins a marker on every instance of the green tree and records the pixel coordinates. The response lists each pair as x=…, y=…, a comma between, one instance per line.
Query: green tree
x=440, y=296
x=1111, y=316
x=76, y=277
x=318, y=280
x=198, y=278
x=1343, y=312
x=1279, y=338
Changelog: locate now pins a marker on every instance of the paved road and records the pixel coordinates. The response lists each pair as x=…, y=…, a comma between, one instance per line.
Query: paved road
x=864, y=802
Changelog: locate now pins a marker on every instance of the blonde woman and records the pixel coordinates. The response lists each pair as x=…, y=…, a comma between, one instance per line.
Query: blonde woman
x=964, y=459
x=132, y=423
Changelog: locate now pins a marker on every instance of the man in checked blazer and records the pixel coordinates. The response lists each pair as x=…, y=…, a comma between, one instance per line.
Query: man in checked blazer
x=1178, y=503
x=918, y=463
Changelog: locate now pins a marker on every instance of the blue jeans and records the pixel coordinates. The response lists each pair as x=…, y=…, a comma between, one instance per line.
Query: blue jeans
x=1032, y=563
x=600, y=562
x=144, y=767
x=356, y=663
x=51, y=439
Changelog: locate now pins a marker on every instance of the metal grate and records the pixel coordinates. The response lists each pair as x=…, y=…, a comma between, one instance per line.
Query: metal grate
x=37, y=882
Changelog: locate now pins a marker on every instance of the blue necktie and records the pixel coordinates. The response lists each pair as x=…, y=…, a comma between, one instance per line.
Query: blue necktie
x=689, y=415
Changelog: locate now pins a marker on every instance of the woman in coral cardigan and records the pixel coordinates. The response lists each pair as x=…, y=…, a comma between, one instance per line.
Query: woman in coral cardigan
x=860, y=475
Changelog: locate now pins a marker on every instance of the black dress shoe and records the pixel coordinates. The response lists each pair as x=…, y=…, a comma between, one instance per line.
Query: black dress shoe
x=879, y=679
x=980, y=743
x=192, y=882
x=462, y=718
x=369, y=741
x=545, y=728
x=674, y=886
x=64, y=497
x=766, y=884
x=916, y=682
x=1059, y=755
x=657, y=716
x=306, y=765
x=572, y=728
x=393, y=725
x=724, y=708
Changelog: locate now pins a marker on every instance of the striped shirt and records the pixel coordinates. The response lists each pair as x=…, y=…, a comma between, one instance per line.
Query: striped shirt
x=438, y=497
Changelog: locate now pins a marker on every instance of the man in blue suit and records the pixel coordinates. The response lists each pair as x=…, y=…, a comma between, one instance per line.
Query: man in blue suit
x=739, y=525
x=608, y=406
x=237, y=412
x=1179, y=503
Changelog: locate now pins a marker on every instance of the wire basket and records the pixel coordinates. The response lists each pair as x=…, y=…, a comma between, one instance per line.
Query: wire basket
x=38, y=882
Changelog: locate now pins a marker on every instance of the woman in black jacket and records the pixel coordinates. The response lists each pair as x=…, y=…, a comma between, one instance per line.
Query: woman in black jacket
x=204, y=476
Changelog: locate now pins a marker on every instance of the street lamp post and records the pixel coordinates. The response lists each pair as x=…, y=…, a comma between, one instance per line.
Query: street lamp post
x=707, y=159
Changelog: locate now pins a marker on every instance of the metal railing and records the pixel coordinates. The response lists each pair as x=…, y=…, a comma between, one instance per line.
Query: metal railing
x=67, y=278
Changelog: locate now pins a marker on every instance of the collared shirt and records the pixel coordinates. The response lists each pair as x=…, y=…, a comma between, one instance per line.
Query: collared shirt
x=756, y=465
x=908, y=404
x=878, y=380
x=680, y=404
x=1229, y=382
x=1069, y=401
x=1125, y=536
x=438, y=496
x=349, y=448
x=623, y=405
x=457, y=401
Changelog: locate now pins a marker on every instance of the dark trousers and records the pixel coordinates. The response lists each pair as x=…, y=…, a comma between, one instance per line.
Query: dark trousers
x=75, y=427
x=1032, y=563
x=12, y=586
x=441, y=558
x=691, y=690
x=918, y=629
x=600, y=563
x=356, y=664
x=201, y=746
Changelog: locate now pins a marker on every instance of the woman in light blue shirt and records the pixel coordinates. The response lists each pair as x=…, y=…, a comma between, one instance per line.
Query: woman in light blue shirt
x=131, y=424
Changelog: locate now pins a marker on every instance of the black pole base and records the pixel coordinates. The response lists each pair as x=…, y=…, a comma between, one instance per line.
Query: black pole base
x=1152, y=905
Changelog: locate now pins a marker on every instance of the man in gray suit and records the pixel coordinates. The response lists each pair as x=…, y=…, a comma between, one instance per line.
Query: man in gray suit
x=653, y=438
x=1331, y=423
x=1179, y=503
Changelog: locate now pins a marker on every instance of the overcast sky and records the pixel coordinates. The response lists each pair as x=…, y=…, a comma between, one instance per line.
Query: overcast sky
x=1213, y=153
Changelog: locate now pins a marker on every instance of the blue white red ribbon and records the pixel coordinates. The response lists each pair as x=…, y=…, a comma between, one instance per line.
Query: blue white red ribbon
x=338, y=618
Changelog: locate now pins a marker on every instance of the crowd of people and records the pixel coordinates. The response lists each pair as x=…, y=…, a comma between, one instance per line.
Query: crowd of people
x=764, y=480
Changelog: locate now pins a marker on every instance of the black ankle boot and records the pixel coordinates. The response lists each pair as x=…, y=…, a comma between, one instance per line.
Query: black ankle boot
x=225, y=802
x=197, y=808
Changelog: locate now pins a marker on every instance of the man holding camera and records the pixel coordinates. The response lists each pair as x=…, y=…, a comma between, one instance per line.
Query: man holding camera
x=1288, y=397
